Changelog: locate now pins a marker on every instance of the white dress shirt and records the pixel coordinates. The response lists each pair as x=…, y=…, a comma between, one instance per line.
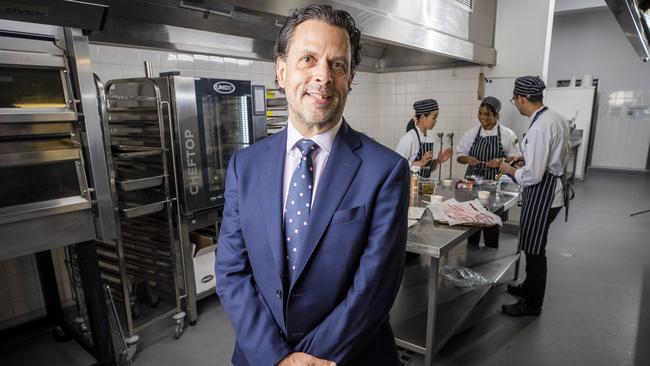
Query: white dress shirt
x=545, y=147
x=409, y=146
x=508, y=140
x=324, y=140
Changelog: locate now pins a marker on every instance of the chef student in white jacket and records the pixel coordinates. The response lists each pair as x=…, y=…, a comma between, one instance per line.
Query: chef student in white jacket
x=483, y=148
x=545, y=149
x=417, y=144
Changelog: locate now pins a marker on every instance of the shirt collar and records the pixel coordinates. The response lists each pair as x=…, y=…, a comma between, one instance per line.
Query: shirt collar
x=532, y=116
x=324, y=140
x=493, y=130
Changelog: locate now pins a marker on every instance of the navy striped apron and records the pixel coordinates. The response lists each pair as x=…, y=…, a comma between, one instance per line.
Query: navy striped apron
x=536, y=204
x=425, y=171
x=486, y=148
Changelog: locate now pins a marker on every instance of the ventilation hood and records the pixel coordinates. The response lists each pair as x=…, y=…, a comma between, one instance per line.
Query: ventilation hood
x=634, y=19
x=397, y=34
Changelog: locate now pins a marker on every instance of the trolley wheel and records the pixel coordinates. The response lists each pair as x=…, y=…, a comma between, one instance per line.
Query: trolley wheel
x=193, y=322
x=180, y=328
x=179, y=320
x=60, y=335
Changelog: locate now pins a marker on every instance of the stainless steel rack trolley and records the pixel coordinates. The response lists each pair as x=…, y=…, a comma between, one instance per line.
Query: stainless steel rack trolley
x=144, y=266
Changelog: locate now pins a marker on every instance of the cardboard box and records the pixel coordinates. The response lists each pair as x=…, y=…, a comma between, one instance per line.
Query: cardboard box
x=203, y=247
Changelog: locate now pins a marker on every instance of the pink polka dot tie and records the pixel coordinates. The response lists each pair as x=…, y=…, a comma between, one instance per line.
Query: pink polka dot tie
x=296, y=216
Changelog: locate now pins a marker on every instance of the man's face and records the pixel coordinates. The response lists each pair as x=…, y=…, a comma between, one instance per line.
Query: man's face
x=316, y=73
x=517, y=101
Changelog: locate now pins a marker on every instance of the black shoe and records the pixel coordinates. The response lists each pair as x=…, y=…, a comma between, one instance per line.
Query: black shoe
x=520, y=308
x=518, y=290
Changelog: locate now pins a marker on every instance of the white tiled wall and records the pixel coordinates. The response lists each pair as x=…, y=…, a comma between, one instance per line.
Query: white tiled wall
x=20, y=288
x=456, y=93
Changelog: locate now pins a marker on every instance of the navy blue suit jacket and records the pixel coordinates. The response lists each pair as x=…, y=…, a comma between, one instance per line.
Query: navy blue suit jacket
x=350, y=271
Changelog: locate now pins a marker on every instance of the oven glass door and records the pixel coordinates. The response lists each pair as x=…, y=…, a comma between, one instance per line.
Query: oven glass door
x=226, y=127
x=34, y=94
x=35, y=183
x=31, y=88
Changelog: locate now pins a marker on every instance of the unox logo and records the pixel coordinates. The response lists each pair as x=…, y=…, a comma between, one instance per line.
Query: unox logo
x=223, y=87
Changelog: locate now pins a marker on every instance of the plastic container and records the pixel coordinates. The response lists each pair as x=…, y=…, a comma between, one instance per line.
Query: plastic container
x=414, y=185
x=484, y=197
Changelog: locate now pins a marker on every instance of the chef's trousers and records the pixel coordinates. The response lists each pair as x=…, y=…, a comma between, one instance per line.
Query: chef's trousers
x=535, y=283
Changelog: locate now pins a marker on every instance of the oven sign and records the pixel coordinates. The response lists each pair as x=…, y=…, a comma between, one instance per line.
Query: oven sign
x=223, y=87
x=190, y=163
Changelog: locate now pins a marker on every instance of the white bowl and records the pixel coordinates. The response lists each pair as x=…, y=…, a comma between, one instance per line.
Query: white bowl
x=437, y=198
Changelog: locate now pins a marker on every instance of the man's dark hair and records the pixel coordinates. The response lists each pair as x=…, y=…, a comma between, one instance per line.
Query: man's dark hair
x=323, y=13
x=533, y=98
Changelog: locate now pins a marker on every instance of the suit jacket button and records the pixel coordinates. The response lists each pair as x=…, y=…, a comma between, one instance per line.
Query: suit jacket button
x=278, y=293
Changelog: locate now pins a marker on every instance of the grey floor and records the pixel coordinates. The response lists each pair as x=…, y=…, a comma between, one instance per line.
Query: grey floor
x=596, y=312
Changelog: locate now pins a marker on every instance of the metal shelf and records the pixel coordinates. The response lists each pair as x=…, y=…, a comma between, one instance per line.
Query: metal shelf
x=454, y=304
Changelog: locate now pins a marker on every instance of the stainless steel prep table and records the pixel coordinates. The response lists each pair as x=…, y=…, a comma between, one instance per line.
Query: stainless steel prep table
x=425, y=316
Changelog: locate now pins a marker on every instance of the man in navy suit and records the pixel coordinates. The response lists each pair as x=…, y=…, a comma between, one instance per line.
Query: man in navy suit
x=312, y=243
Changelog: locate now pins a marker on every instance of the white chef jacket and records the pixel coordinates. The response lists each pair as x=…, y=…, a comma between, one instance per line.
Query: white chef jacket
x=545, y=147
x=409, y=146
x=508, y=140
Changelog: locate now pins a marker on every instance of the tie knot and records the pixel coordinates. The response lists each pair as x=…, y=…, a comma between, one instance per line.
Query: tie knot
x=306, y=146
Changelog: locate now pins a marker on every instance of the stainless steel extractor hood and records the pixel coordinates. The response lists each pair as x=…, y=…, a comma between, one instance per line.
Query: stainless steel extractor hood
x=634, y=19
x=398, y=34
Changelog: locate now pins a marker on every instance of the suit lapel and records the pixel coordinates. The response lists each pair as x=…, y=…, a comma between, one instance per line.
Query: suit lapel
x=340, y=170
x=270, y=182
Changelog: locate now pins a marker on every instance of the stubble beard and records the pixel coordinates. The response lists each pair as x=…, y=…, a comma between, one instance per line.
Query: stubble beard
x=318, y=116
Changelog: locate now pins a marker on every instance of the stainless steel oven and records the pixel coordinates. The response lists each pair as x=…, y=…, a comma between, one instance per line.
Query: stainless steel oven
x=212, y=119
x=41, y=159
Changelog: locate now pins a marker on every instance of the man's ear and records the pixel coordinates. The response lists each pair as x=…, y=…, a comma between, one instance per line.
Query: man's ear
x=281, y=71
x=351, y=79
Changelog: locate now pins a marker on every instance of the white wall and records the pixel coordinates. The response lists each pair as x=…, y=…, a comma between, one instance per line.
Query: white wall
x=593, y=43
x=522, y=38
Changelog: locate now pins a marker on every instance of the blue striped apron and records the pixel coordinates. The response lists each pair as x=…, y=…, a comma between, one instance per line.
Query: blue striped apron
x=425, y=171
x=486, y=148
x=536, y=204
